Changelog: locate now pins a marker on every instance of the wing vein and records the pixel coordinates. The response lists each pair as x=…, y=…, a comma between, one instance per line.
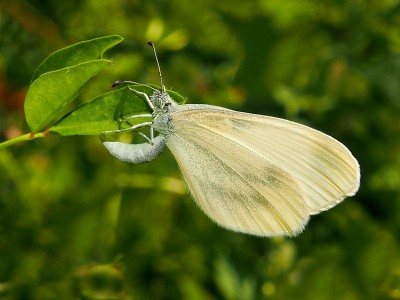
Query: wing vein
x=284, y=223
x=223, y=166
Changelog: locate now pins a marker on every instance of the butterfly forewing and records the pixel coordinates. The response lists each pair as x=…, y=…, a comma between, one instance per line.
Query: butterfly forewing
x=236, y=187
x=249, y=148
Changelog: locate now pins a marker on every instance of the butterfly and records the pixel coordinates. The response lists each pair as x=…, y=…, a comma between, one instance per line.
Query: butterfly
x=249, y=173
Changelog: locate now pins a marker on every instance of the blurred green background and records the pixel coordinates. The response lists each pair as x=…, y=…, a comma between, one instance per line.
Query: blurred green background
x=75, y=223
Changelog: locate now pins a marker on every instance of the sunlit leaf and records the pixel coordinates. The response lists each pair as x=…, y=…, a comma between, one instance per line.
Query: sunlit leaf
x=75, y=54
x=52, y=91
x=104, y=112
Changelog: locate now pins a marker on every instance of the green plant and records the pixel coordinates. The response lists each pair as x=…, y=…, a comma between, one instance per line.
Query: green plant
x=59, y=80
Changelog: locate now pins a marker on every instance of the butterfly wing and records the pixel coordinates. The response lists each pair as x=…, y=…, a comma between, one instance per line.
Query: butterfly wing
x=259, y=174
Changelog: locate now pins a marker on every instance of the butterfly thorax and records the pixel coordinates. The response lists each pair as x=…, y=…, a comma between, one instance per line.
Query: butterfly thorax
x=163, y=106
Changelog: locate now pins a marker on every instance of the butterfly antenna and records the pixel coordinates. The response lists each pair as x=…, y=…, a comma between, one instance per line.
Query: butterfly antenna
x=151, y=44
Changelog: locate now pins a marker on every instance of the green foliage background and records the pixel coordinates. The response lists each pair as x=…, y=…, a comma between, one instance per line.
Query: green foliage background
x=77, y=224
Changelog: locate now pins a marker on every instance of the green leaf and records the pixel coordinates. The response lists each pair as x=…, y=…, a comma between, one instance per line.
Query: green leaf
x=76, y=54
x=51, y=92
x=104, y=112
x=60, y=77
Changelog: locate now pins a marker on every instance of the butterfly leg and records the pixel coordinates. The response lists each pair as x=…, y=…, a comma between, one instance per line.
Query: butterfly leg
x=145, y=97
x=144, y=124
x=136, y=116
x=151, y=139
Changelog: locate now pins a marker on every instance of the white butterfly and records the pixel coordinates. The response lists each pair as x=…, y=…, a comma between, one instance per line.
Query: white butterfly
x=250, y=173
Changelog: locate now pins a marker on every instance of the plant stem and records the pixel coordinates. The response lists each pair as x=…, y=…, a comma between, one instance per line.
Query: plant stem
x=25, y=137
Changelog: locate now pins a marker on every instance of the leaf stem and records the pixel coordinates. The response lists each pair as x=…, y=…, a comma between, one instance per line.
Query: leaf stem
x=25, y=137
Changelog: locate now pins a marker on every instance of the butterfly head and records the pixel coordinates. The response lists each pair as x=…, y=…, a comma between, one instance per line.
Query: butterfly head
x=162, y=102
